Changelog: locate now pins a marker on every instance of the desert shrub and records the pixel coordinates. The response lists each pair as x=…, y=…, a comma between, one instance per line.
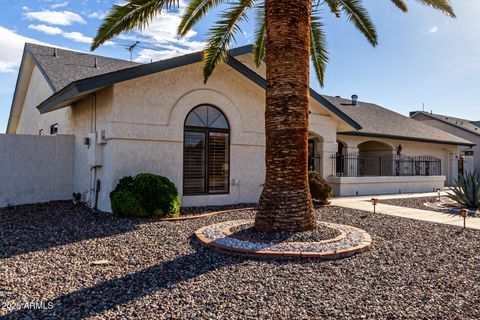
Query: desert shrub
x=320, y=190
x=467, y=191
x=145, y=195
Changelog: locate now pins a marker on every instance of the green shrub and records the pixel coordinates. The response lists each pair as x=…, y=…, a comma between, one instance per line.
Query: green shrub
x=467, y=191
x=145, y=195
x=125, y=204
x=320, y=190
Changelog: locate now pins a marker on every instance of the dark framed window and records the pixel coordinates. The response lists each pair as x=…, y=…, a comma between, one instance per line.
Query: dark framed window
x=54, y=128
x=206, y=152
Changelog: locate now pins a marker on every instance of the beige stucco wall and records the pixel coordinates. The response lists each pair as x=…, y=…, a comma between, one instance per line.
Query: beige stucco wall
x=90, y=115
x=35, y=168
x=145, y=133
x=31, y=121
x=361, y=186
x=38, y=90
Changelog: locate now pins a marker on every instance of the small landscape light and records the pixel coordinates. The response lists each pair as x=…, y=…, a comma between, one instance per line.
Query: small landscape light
x=374, y=203
x=438, y=191
x=463, y=214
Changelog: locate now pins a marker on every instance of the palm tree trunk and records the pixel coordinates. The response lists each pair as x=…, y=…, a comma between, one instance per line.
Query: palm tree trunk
x=285, y=203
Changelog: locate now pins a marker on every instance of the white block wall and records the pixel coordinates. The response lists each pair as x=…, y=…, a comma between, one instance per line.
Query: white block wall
x=35, y=169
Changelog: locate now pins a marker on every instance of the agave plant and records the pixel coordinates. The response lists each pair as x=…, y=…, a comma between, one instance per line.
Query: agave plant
x=467, y=191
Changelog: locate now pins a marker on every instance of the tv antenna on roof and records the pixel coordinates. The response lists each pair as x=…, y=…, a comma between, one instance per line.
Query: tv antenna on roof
x=131, y=48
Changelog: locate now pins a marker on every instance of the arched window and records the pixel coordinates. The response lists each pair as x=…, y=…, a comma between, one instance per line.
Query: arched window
x=206, y=152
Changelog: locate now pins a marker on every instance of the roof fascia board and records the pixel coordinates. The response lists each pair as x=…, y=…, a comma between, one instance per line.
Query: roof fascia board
x=247, y=72
x=386, y=136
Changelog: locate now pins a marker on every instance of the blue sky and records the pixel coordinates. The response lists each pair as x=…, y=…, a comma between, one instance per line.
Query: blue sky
x=423, y=57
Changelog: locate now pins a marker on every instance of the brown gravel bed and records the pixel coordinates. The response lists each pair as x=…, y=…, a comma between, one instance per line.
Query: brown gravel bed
x=416, y=203
x=247, y=231
x=157, y=270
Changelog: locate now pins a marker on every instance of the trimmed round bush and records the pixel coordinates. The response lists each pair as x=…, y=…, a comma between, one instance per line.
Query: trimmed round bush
x=320, y=190
x=145, y=195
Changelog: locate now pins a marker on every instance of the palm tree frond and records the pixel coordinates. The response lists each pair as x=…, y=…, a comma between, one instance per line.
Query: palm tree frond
x=222, y=34
x=442, y=5
x=357, y=13
x=135, y=14
x=260, y=36
x=334, y=7
x=400, y=4
x=195, y=11
x=318, y=49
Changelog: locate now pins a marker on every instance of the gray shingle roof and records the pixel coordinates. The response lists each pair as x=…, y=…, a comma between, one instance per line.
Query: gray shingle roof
x=69, y=66
x=378, y=121
x=468, y=125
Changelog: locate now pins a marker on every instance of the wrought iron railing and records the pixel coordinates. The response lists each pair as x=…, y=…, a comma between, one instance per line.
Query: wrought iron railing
x=374, y=165
x=314, y=163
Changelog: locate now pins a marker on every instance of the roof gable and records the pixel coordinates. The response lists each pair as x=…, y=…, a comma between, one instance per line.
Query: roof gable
x=463, y=124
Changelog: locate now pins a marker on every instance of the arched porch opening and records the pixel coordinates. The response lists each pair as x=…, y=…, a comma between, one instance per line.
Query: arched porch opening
x=375, y=159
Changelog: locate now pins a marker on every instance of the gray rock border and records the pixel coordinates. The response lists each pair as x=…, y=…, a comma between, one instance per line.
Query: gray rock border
x=213, y=236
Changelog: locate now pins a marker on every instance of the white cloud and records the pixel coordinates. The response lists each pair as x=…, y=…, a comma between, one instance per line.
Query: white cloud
x=148, y=55
x=74, y=35
x=25, y=8
x=64, y=18
x=433, y=29
x=59, y=5
x=98, y=15
x=45, y=29
x=12, y=48
x=77, y=37
x=162, y=34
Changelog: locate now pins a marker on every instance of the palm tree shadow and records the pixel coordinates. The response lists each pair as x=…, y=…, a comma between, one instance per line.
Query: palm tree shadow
x=30, y=228
x=106, y=295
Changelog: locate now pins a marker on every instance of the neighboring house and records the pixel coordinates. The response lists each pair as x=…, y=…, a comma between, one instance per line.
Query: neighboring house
x=209, y=138
x=466, y=129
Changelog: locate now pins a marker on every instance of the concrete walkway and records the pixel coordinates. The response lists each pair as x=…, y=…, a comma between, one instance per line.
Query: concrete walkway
x=364, y=203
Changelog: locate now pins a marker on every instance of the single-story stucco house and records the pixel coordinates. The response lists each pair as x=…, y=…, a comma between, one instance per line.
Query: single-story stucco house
x=124, y=118
x=463, y=128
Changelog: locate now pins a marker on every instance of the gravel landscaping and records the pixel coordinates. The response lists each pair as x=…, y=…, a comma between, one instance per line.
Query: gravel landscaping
x=419, y=203
x=187, y=211
x=247, y=231
x=157, y=270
